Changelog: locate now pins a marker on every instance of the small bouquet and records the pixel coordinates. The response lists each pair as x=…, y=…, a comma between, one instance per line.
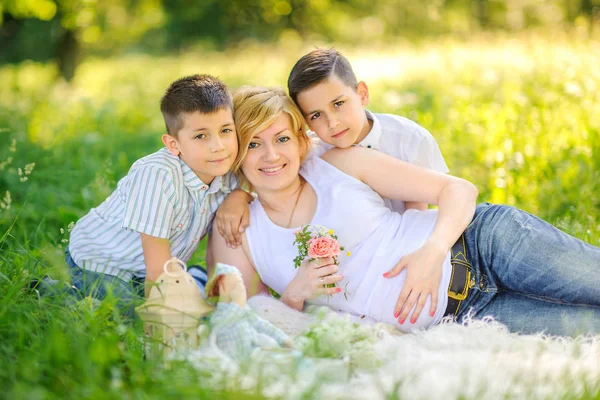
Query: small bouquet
x=315, y=241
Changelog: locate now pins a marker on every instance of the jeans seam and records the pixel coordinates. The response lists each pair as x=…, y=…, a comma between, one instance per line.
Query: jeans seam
x=552, y=300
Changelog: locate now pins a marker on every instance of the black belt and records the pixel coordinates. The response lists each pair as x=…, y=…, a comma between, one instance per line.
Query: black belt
x=460, y=281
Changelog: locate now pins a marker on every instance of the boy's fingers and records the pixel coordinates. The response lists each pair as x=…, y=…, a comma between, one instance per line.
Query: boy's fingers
x=245, y=220
x=235, y=233
x=220, y=228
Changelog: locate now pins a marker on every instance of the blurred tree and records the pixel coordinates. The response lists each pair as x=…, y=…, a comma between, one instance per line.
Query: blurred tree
x=481, y=12
x=72, y=26
x=66, y=30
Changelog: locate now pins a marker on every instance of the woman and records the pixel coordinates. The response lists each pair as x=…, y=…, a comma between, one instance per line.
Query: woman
x=485, y=260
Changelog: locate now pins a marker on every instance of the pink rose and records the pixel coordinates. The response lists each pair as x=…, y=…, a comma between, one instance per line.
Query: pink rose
x=323, y=247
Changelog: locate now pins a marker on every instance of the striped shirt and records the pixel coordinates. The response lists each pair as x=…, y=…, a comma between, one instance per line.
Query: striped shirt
x=161, y=197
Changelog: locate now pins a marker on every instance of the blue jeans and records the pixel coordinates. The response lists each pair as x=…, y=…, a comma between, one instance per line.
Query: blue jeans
x=129, y=294
x=529, y=275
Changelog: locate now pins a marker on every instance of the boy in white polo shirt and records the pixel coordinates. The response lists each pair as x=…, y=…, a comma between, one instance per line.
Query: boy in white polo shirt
x=165, y=204
x=324, y=87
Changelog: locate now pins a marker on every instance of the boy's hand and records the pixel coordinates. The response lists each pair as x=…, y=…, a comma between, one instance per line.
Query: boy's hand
x=233, y=217
x=423, y=274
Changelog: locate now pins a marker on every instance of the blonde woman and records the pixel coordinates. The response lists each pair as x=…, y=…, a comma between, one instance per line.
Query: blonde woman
x=408, y=270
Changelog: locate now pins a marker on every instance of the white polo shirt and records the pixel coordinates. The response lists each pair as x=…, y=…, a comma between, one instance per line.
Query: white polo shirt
x=160, y=196
x=400, y=138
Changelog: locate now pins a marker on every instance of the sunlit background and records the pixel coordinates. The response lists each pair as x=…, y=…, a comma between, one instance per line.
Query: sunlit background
x=509, y=89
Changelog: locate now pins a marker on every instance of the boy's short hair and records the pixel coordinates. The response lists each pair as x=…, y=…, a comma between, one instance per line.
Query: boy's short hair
x=203, y=93
x=315, y=67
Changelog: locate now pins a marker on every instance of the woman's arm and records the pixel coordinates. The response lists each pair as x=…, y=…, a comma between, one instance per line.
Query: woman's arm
x=238, y=257
x=395, y=179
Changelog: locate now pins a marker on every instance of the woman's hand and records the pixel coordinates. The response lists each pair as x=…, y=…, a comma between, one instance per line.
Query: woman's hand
x=310, y=281
x=233, y=217
x=423, y=274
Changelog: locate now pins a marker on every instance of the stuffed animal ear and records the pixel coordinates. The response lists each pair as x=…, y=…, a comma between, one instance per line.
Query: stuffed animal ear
x=215, y=289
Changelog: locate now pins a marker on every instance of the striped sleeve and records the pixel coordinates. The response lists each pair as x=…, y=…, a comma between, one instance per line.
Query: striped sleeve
x=230, y=182
x=150, y=202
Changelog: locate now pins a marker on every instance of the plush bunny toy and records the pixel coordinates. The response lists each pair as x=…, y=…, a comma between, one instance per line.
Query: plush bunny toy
x=238, y=330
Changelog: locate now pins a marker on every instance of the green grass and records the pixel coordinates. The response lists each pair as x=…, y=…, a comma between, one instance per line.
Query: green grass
x=519, y=118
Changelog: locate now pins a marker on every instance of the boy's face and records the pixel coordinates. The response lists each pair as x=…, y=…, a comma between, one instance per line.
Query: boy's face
x=207, y=143
x=334, y=111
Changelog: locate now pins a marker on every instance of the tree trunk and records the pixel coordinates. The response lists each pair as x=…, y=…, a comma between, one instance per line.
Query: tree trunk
x=481, y=12
x=9, y=29
x=68, y=54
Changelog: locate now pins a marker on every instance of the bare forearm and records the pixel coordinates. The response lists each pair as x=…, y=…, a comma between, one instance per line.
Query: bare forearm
x=415, y=205
x=456, y=204
x=292, y=302
x=156, y=253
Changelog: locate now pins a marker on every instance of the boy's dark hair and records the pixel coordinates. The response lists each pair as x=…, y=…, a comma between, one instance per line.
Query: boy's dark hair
x=315, y=67
x=203, y=93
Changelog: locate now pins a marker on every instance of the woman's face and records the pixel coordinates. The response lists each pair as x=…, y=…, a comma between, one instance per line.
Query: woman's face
x=273, y=157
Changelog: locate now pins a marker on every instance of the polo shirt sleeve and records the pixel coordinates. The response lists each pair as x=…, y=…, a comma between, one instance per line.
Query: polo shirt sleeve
x=427, y=153
x=150, y=202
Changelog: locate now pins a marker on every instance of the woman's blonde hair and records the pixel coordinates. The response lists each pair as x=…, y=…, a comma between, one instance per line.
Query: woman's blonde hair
x=257, y=108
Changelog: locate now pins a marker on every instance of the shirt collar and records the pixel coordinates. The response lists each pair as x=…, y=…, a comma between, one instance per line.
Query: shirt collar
x=193, y=183
x=372, y=139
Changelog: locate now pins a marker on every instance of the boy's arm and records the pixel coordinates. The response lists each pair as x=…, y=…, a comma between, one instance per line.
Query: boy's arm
x=233, y=216
x=157, y=252
x=415, y=205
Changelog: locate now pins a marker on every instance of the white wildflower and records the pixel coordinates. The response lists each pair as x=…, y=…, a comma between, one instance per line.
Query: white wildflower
x=6, y=201
x=29, y=168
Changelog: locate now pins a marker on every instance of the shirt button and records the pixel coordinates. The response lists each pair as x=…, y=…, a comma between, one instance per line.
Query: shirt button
x=471, y=283
x=204, y=187
x=179, y=226
x=203, y=211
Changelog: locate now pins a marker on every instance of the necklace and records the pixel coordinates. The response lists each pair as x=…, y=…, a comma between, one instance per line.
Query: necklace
x=295, y=205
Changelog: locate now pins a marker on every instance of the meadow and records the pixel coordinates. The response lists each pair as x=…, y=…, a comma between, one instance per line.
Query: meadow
x=519, y=117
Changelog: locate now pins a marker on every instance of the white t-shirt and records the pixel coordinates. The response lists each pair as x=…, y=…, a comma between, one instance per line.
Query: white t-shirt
x=375, y=237
x=400, y=138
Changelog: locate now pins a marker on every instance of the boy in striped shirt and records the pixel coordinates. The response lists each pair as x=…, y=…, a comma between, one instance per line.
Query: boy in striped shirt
x=165, y=204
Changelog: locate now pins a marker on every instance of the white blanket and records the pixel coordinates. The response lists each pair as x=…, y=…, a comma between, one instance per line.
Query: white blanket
x=477, y=360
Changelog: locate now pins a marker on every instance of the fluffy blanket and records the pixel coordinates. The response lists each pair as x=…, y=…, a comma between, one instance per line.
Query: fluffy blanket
x=346, y=357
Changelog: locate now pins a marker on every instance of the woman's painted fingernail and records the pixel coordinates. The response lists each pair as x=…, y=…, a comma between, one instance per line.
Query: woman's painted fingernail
x=339, y=289
x=396, y=314
x=432, y=313
x=341, y=276
x=412, y=321
x=386, y=274
x=401, y=321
